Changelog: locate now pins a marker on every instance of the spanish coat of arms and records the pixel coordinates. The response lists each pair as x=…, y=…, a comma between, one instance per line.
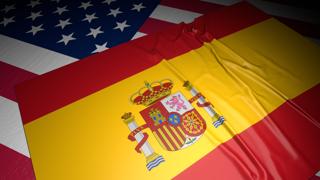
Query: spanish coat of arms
x=173, y=120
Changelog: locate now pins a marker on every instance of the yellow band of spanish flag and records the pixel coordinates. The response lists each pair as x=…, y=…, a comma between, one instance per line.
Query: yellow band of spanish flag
x=88, y=140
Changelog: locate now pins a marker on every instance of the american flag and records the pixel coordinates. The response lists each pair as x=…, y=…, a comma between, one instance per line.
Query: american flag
x=39, y=36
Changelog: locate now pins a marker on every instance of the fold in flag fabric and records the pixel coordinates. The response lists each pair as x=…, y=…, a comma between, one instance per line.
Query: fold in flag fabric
x=216, y=98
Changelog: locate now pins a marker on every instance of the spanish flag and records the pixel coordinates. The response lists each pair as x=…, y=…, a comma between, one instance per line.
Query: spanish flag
x=233, y=95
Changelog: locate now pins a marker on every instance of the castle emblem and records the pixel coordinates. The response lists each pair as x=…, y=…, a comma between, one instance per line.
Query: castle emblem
x=172, y=119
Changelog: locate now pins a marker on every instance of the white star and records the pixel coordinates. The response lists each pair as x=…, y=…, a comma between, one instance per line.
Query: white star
x=85, y=5
x=33, y=3
x=95, y=32
x=114, y=12
x=138, y=7
x=33, y=15
x=63, y=23
x=60, y=10
x=6, y=21
x=66, y=38
x=108, y=1
x=89, y=18
x=100, y=48
x=121, y=26
x=35, y=29
x=8, y=8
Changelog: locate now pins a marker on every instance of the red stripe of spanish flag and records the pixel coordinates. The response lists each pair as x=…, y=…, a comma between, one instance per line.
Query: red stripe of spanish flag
x=249, y=75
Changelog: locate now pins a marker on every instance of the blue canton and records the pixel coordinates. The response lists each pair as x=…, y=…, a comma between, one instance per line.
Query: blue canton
x=74, y=28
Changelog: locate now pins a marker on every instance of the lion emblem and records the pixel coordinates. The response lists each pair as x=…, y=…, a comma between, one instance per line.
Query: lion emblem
x=176, y=102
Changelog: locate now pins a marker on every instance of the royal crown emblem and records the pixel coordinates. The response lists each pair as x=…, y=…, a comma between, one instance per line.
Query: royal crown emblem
x=152, y=92
x=171, y=117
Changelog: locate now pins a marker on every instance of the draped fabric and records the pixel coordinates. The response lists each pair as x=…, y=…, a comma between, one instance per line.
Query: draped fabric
x=256, y=73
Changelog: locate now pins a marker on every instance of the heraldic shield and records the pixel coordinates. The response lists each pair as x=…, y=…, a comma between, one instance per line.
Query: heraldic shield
x=174, y=122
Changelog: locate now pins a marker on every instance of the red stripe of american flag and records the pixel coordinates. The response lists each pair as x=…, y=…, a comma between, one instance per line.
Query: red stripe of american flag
x=9, y=77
